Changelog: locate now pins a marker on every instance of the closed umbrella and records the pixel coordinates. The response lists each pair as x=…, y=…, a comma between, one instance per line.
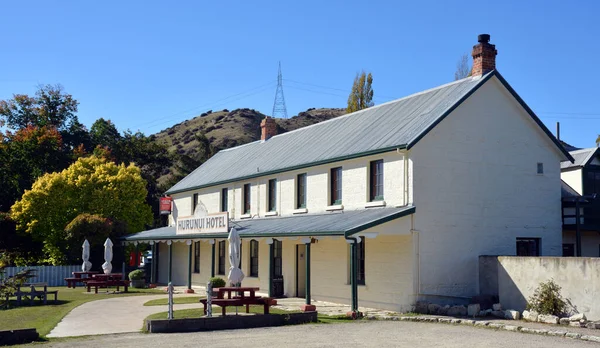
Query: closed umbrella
x=108, y=256
x=235, y=275
x=85, y=255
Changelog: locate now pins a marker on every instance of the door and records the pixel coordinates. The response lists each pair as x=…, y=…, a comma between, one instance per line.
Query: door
x=277, y=268
x=301, y=270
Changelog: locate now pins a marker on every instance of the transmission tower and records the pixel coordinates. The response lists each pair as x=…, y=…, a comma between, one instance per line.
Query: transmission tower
x=279, y=109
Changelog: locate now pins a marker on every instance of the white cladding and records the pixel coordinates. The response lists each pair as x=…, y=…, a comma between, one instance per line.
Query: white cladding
x=473, y=180
x=574, y=179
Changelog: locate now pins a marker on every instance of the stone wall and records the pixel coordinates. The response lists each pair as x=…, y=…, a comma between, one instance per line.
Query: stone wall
x=579, y=277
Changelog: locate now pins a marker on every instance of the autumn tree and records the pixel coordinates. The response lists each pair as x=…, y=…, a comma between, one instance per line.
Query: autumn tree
x=361, y=96
x=463, y=69
x=90, y=185
x=50, y=107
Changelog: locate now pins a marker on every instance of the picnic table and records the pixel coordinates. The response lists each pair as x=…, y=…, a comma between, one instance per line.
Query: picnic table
x=105, y=281
x=239, y=298
x=36, y=290
x=79, y=277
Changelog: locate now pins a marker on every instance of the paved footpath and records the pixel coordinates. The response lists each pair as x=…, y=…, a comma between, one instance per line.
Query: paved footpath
x=362, y=333
x=115, y=315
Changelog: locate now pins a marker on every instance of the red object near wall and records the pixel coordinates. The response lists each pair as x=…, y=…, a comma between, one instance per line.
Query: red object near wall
x=132, y=258
x=165, y=205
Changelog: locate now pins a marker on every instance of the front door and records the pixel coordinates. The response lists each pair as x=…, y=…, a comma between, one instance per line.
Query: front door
x=300, y=270
x=277, y=269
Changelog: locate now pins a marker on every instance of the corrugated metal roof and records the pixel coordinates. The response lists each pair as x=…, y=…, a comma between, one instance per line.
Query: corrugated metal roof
x=386, y=126
x=333, y=223
x=581, y=157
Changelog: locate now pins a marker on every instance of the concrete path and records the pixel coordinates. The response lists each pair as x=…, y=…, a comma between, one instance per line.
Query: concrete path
x=115, y=315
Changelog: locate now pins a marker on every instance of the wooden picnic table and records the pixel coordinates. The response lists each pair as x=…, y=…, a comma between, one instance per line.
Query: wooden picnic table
x=39, y=290
x=78, y=277
x=110, y=276
x=106, y=280
x=86, y=274
x=239, y=299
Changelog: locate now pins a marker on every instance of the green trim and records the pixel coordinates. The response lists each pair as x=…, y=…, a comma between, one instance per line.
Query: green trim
x=170, y=273
x=353, y=284
x=243, y=236
x=307, y=280
x=287, y=169
x=189, y=284
x=380, y=221
x=212, y=270
x=271, y=267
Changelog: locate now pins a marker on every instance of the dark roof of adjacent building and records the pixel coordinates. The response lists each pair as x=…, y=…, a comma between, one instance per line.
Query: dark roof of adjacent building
x=397, y=124
x=340, y=223
x=567, y=191
x=581, y=158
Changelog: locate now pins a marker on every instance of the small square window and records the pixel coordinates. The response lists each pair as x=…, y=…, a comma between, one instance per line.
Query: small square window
x=540, y=168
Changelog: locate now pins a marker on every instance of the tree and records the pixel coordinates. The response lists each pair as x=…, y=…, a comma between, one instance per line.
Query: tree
x=463, y=69
x=50, y=107
x=90, y=185
x=103, y=132
x=361, y=96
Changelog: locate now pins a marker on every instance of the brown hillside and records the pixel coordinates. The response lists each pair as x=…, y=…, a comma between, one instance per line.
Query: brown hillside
x=225, y=129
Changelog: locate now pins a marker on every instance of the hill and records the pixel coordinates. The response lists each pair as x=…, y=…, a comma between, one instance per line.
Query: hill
x=225, y=129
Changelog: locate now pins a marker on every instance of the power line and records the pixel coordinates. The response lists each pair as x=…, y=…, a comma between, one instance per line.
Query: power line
x=335, y=89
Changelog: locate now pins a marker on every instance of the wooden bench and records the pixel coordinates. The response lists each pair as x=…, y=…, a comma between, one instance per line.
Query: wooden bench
x=266, y=302
x=33, y=293
x=105, y=284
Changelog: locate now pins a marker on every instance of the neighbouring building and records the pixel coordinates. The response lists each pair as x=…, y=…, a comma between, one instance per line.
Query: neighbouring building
x=396, y=201
x=581, y=201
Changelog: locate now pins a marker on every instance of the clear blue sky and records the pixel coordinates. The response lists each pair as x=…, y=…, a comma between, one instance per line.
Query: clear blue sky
x=147, y=65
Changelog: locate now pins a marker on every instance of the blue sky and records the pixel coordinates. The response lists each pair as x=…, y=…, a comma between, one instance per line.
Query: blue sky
x=148, y=65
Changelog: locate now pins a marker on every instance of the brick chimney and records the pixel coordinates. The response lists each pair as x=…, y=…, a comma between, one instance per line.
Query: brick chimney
x=268, y=128
x=484, y=56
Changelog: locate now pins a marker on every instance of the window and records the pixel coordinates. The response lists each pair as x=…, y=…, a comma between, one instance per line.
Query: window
x=376, y=182
x=221, y=257
x=301, y=191
x=528, y=246
x=277, y=259
x=194, y=203
x=360, y=264
x=272, y=195
x=540, y=168
x=336, y=186
x=224, y=203
x=246, y=199
x=569, y=249
x=197, y=257
x=254, y=258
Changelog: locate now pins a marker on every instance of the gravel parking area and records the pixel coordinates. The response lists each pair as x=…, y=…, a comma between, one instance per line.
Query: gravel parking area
x=362, y=333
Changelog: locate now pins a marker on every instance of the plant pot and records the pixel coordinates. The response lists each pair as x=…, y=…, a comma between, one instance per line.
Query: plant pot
x=138, y=283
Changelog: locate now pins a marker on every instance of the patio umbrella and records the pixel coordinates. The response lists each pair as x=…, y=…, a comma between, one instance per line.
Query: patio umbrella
x=87, y=265
x=235, y=275
x=108, y=256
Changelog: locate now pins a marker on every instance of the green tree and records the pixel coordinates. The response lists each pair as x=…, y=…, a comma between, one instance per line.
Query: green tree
x=49, y=107
x=90, y=185
x=361, y=96
x=104, y=133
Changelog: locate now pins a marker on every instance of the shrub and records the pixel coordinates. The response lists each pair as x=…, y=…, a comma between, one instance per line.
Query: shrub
x=217, y=282
x=137, y=274
x=547, y=299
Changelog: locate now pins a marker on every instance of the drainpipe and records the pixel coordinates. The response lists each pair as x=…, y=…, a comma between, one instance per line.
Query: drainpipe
x=271, y=265
x=353, y=276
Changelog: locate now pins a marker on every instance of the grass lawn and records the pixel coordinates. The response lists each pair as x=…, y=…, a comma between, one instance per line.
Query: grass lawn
x=197, y=313
x=45, y=317
x=176, y=300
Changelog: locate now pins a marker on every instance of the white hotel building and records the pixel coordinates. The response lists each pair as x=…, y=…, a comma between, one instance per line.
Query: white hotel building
x=413, y=191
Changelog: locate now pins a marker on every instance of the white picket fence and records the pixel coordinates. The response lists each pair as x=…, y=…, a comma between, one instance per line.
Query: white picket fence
x=53, y=275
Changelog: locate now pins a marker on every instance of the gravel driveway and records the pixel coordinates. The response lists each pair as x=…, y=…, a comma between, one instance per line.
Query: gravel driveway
x=364, y=333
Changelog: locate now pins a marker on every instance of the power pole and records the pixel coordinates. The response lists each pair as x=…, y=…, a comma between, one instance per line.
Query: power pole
x=279, y=108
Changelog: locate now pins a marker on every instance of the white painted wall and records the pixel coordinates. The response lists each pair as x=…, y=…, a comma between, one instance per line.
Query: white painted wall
x=573, y=178
x=476, y=190
x=354, y=189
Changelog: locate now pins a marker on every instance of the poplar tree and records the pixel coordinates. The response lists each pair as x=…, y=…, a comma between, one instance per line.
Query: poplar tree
x=361, y=96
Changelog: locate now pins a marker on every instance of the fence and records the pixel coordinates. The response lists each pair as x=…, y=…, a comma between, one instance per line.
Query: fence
x=53, y=275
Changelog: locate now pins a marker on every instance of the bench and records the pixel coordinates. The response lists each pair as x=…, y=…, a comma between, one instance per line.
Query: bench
x=105, y=284
x=267, y=302
x=33, y=293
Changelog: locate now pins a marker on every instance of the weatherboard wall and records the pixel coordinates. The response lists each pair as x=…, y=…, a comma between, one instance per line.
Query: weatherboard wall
x=476, y=190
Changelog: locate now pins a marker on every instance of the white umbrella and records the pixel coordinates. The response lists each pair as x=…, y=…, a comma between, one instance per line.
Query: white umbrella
x=235, y=275
x=108, y=256
x=87, y=265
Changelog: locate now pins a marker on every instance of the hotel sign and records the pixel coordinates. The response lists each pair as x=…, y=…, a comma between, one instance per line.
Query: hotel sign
x=201, y=222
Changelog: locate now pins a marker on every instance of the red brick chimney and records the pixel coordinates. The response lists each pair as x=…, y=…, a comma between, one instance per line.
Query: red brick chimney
x=484, y=56
x=268, y=128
